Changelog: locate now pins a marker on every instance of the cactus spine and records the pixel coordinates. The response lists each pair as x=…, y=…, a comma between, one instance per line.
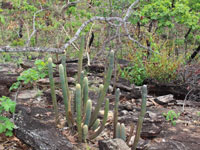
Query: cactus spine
x=52, y=86
x=88, y=112
x=78, y=111
x=117, y=95
x=141, y=117
x=106, y=84
x=103, y=122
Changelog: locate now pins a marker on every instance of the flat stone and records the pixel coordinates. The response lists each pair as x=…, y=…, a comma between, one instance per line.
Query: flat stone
x=27, y=94
x=38, y=135
x=163, y=100
x=113, y=144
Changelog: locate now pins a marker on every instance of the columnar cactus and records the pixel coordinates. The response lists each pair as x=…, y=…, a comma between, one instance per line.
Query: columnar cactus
x=65, y=92
x=80, y=60
x=52, y=86
x=78, y=111
x=141, y=117
x=66, y=82
x=88, y=112
x=85, y=93
x=117, y=95
x=123, y=132
x=85, y=133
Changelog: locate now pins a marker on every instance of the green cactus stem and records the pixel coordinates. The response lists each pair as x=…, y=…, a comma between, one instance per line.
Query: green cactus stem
x=117, y=95
x=141, y=117
x=118, y=130
x=85, y=133
x=66, y=81
x=81, y=78
x=78, y=111
x=80, y=60
x=65, y=92
x=96, y=124
x=52, y=86
x=123, y=132
x=130, y=133
x=106, y=85
x=85, y=93
x=88, y=112
x=103, y=122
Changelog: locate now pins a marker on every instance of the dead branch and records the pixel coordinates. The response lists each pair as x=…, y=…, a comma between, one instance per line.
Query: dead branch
x=34, y=29
x=31, y=49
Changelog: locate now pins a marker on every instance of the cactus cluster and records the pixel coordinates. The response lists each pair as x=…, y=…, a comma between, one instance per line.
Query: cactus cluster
x=85, y=119
x=119, y=129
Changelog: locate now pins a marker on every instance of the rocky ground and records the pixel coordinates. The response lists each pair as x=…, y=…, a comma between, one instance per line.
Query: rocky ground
x=34, y=117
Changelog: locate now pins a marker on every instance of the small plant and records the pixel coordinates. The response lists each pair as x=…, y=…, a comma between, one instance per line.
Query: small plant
x=6, y=125
x=171, y=116
x=136, y=71
x=39, y=71
x=198, y=113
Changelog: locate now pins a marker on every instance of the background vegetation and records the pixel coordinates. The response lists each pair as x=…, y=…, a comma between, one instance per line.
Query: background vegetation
x=169, y=29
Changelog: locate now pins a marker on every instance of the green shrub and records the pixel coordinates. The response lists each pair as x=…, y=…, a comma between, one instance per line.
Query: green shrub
x=6, y=125
x=171, y=116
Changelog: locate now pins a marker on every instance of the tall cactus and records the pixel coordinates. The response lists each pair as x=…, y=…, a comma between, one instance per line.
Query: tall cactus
x=52, y=86
x=65, y=92
x=141, y=117
x=117, y=95
x=66, y=82
x=78, y=111
x=80, y=60
x=106, y=85
x=85, y=93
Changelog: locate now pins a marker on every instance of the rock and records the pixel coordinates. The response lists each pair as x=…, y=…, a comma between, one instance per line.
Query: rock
x=150, y=130
x=113, y=144
x=4, y=91
x=27, y=94
x=40, y=136
x=164, y=100
x=136, y=92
